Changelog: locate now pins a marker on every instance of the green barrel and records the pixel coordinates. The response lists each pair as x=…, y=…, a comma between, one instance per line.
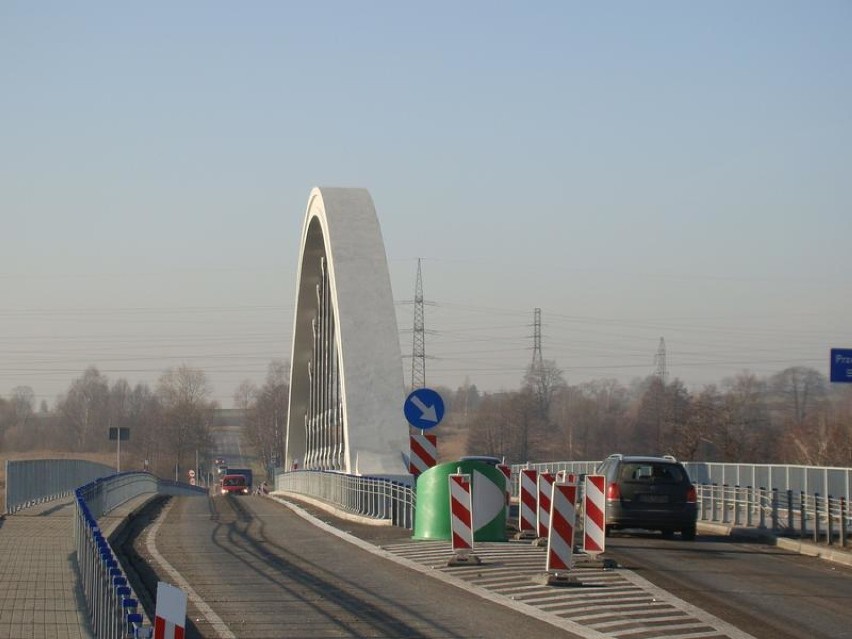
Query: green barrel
x=488, y=494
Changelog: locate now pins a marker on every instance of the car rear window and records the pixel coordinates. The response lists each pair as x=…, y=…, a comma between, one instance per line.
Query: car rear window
x=652, y=472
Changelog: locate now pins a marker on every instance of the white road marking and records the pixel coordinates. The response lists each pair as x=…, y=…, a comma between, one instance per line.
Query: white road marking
x=206, y=611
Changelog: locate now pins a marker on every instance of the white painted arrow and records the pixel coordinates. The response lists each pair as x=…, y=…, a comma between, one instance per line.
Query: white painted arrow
x=427, y=413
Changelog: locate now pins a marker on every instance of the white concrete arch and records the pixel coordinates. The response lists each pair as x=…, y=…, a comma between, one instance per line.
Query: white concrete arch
x=347, y=384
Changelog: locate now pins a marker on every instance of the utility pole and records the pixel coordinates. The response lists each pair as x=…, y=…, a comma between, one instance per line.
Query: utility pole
x=660, y=362
x=418, y=349
x=537, y=361
x=662, y=375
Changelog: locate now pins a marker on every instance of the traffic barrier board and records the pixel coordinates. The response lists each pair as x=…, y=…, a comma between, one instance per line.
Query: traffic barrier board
x=594, y=519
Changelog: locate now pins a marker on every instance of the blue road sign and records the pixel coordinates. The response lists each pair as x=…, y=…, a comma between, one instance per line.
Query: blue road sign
x=423, y=408
x=841, y=365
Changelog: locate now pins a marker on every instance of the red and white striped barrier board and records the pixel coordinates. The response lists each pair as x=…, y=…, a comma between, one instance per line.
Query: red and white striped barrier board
x=545, y=490
x=170, y=616
x=594, y=520
x=507, y=473
x=564, y=477
x=461, y=514
x=528, y=492
x=560, y=541
x=423, y=452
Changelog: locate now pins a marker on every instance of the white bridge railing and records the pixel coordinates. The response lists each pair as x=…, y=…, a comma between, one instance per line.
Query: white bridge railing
x=377, y=498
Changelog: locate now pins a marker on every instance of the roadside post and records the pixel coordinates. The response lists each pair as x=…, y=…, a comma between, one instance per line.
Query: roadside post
x=528, y=506
x=170, y=617
x=461, y=515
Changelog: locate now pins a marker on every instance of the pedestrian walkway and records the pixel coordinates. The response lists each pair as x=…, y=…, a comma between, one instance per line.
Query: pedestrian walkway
x=40, y=595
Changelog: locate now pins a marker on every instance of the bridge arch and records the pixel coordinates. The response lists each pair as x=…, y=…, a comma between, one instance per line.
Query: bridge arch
x=346, y=377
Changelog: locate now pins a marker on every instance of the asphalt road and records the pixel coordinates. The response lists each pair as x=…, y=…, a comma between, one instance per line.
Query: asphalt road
x=763, y=590
x=263, y=571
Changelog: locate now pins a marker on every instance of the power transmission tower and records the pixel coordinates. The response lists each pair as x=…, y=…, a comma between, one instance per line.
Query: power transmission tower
x=660, y=362
x=537, y=361
x=418, y=349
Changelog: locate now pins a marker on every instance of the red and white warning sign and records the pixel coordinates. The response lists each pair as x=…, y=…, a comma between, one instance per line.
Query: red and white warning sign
x=594, y=518
x=461, y=514
x=545, y=491
x=170, y=617
x=424, y=452
x=529, y=501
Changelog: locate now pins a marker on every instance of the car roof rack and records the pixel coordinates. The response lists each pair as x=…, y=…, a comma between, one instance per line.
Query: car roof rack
x=615, y=456
x=670, y=457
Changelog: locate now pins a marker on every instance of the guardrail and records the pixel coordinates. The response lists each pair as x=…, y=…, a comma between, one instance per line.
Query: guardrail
x=823, y=519
x=374, y=497
x=825, y=480
x=35, y=481
x=112, y=605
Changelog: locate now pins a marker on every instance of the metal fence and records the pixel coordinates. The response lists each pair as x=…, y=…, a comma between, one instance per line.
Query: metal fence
x=802, y=501
x=374, y=497
x=33, y=481
x=816, y=517
x=112, y=605
x=825, y=480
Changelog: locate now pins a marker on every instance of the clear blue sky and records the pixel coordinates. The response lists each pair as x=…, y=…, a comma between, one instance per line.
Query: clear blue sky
x=636, y=170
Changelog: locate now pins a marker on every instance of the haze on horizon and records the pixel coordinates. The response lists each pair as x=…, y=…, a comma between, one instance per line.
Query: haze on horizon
x=636, y=171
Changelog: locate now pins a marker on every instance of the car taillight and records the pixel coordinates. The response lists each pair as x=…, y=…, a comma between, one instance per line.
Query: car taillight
x=613, y=492
x=691, y=496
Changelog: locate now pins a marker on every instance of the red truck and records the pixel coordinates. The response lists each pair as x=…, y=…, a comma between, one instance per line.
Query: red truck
x=234, y=485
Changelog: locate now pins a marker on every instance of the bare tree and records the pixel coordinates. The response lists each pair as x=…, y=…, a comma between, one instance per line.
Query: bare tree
x=490, y=432
x=187, y=412
x=266, y=412
x=543, y=381
x=84, y=410
x=801, y=411
x=704, y=419
x=745, y=432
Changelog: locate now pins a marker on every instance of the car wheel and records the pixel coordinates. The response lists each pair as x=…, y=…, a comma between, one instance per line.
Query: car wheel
x=688, y=534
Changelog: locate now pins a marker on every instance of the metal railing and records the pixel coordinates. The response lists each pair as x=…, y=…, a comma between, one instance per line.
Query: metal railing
x=377, y=498
x=825, y=480
x=822, y=519
x=112, y=605
x=35, y=481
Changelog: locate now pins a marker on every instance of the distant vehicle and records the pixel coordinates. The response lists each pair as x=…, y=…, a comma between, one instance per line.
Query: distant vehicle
x=220, y=461
x=234, y=485
x=245, y=472
x=652, y=493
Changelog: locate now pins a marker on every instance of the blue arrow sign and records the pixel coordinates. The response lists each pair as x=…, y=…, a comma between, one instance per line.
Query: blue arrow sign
x=841, y=365
x=423, y=408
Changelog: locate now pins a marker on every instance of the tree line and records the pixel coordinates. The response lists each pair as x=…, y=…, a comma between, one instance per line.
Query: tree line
x=794, y=416
x=170, y=425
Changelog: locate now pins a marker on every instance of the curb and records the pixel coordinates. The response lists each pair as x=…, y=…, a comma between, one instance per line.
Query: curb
x=809, y=549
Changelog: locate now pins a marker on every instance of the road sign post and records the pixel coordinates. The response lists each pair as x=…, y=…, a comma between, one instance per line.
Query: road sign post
x=118, y=433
